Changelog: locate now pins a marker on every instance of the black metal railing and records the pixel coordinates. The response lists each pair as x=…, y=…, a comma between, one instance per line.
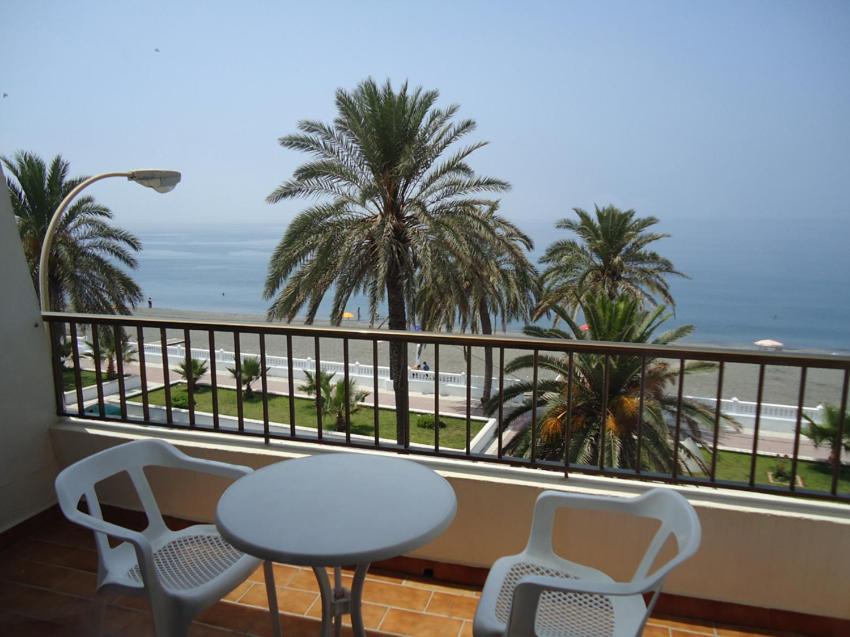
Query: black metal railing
x=644, y=416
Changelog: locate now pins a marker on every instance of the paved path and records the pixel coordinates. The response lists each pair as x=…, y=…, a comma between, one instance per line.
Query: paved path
x=776, y=444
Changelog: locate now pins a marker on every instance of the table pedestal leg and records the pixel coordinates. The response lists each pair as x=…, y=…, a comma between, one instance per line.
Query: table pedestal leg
x=338, y=600
x=268, y=570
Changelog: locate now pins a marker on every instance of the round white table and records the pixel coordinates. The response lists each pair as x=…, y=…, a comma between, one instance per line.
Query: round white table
x=339, y=509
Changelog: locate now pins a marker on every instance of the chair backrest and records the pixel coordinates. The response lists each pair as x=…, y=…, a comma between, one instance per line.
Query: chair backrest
x=675, y=514
x=80, y=479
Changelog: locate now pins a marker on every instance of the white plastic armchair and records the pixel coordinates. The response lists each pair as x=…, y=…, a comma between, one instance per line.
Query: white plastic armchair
x=537, y=593
x=182, y=572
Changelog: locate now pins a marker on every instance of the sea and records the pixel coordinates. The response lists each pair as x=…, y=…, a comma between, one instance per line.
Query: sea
x=747, y=278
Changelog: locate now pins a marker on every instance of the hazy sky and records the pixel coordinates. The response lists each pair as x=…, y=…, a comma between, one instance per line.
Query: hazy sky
x=686, y=110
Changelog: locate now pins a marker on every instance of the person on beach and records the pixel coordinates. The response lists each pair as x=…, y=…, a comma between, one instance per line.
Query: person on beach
x=150, y=302
x=425, y=367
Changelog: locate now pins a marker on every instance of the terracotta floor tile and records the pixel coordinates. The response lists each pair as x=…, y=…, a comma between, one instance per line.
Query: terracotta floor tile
x=694, y=626
x=283, y=573
x=134, y=602
x=729, y=631
x=289, y=600
x=239, y=591
x=232, y=616
x=419, y=625
x=373, y=614
x=654, y=630
x=452, y=605
x=431, y=585
x=466, y=630
x=396, y=595
x=81, y=583
x=21, y=626
x=306, y=579
x=698, y=631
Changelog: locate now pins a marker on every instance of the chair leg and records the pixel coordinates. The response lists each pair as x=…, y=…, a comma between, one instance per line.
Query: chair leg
x=268, y=570
x=99, y=611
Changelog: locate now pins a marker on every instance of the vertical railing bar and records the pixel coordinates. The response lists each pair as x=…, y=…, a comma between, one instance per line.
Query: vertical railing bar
x=468, y=399
x=319, y=397
x=501, y=398
x=801, y=397
x=678, y=431
x=190, y=376
x=291, y=381
x=56, y=368
x=117, y=333
x=213, y=380
x=95, y=340
x=839, y=435
x=75, y=358
x=759, y=396
x=641, y=402
x=166, y=385
x=406, y=417
x=535, y=359
x=143, y=373
x=347, y=391
x=603, y=418
x=718, y=403
x=568, y=425
x=376, y=415
x=437, y=397
x=265, y=387
x=240, y=405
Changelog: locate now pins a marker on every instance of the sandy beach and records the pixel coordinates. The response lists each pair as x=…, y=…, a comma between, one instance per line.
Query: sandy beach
x=782, y=384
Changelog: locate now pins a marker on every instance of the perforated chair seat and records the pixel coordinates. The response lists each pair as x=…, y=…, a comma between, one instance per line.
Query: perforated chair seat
x=193, y=560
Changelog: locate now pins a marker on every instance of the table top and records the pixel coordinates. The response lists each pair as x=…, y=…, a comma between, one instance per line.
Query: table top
x=337, y=509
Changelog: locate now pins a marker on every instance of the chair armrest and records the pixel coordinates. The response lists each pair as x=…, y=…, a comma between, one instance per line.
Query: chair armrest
x=144, y=550
x=526, y=597
x=212, y=467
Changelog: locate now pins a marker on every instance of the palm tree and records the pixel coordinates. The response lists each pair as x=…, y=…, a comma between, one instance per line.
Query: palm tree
x=603, y=424
x=108, y=348
x=87, y=251
x=332, y=397
x=609, y=256
x=250, y=370
x=827, y=432
x=473, y=289
x=388, y=200
x=194, y=370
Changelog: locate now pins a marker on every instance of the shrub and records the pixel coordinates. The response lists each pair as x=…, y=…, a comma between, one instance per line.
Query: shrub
x=426, y=421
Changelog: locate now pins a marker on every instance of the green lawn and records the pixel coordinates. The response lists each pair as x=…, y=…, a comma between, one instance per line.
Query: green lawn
x=362, y=421
x=735, y=466
x=86, y=377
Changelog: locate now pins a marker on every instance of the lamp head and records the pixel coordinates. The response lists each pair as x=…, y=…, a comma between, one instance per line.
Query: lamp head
x=159, y=180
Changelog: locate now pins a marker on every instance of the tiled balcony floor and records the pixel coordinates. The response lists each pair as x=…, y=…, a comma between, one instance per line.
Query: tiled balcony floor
x=47, y=584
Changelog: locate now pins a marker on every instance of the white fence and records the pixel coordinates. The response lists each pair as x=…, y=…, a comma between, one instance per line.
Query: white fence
x=451, y=383
x=774, y=417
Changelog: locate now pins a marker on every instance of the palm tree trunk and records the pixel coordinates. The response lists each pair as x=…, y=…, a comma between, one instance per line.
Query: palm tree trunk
x=398, y=352
x=486, y=328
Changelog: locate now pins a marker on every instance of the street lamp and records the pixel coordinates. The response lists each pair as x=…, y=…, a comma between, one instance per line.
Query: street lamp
x=159, y=180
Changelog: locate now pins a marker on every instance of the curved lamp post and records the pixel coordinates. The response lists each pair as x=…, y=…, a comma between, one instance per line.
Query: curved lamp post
x=159, y=180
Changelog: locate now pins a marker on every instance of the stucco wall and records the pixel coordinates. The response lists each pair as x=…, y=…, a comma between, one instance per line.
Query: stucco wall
x=27, y=407
x=757, y=554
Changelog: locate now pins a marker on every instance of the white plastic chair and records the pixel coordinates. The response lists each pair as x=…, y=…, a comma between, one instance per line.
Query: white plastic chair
x=182, y=572
x=537, y=593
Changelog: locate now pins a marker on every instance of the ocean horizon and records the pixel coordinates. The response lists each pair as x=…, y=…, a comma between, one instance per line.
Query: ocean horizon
x=748, y=279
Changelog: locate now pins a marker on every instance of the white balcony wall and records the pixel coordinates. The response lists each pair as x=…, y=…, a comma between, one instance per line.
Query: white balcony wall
x=760, y=551
x=27, y=407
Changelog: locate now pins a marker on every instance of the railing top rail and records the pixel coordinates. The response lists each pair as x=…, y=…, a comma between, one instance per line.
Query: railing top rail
x=689, y=352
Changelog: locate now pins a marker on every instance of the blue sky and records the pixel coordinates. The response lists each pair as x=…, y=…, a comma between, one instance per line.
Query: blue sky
x=686, y=110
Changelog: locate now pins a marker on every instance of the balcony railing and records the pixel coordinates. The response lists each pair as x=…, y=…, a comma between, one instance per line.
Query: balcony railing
x=562, y=412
